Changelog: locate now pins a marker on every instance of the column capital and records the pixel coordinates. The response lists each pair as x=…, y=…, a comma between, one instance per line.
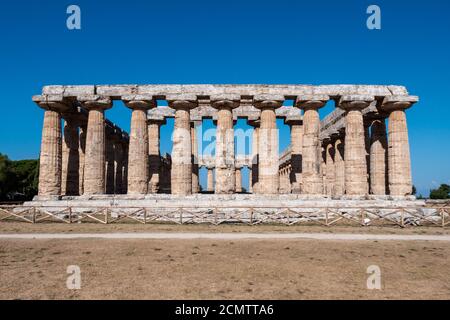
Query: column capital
x=53, y=103
x=391, y=103
x=139, y=102
x=270, y=101
x=182, y=101
x=355, y=102
x=95, y=102
x=229, y=101
x=315, y=101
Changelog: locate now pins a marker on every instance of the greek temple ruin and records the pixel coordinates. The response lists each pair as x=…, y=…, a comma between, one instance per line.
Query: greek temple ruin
x=351, y=152
x=357, y=156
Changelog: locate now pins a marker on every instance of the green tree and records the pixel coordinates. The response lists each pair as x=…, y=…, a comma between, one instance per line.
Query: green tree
x=443, y=192
x=6, y=176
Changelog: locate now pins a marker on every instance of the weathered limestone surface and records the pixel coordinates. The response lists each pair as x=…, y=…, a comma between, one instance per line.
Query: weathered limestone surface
x=355, y=147
x=330, y=169
x=238, y=188
x=195, y=168
x=138, y=169
x=154, y=156
x=51, y=155
x=268, y=159
x=210, y=180
x=311, y=153
x=81, y=152
x=118, y=162
x=225, y=169
x=378, y=158
x=109, y=161
x=255, y=162
x=181, y=175
x=70, y=157
x=296, y=155
x=94, y=168
x=399, y=163
x=339, y=168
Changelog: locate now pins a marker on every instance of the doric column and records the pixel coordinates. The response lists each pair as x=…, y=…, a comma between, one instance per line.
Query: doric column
x=225, y=164
x=125, y=144
x=238, y=188
x=50, y=160
x=296, y=154
x=181, y=174
x=210, y=180
x=138, y=169
x=399, y=162
x=70, y=156
x=109, y=160
x=195, y=171
x=330, y=167
x=355, y=146
x=268, y=155
x=118, y=161
x=82, y=154
x=254, y=155
x=378, y=158
x=339, y=167
x=94, y=164
x=311, y=151
x=154, y=155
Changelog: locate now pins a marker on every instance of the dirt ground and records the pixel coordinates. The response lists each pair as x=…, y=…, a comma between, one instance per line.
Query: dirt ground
x=222, y=269
x=56, y=227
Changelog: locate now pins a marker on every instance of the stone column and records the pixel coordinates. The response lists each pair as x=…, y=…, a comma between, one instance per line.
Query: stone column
x=238, y=188
x=311, y=151
x=355, y=146
x=195, y=170
x=109, y=160
x=181, y=173
x=250, y=179
x=330, y=167
x=225, y=162
x=399, y=162
x=125, y=144
x=94, y=164
x=255, y=157
x=378, y=158
x=296, y=154
x=154, y=155
x=339, y=167
x=50, y=160
x=118, y=161
x=82, y=153
x=70, y=157
x=210, y=180
x=268, y=155
x=138, y=169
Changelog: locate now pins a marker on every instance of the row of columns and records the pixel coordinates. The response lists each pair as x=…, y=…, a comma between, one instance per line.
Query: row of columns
x=348, y=174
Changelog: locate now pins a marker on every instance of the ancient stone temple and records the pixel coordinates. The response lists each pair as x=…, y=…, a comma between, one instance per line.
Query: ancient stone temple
x=360, y=151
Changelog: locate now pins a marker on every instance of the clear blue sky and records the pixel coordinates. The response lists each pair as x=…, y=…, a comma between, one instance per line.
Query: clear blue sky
x=232, y=41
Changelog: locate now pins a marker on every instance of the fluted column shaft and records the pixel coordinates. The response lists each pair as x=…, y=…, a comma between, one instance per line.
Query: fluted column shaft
x=255, y=162
x=94, y=168
x=330, y=169
x=399, y=162
x=70, y=157
x=356, y=180
x=50, y=160
x=181, y=173
x=154, y=156
x=210, y=180
x=238, y=180
x=296, y=156
x=195, y=170
x=339, y=168
x=138, y=169
x=225, y=170
x=82, y=155
x=110, y=162
x=378, y=158
x=118, y=166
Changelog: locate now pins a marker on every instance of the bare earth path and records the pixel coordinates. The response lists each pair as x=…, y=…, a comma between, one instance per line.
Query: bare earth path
x=228, y=236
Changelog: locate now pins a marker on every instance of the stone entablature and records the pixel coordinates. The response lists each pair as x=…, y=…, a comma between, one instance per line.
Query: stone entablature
x=311, y=165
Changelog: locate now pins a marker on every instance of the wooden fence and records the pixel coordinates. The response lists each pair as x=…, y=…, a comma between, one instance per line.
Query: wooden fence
x=431, y=215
